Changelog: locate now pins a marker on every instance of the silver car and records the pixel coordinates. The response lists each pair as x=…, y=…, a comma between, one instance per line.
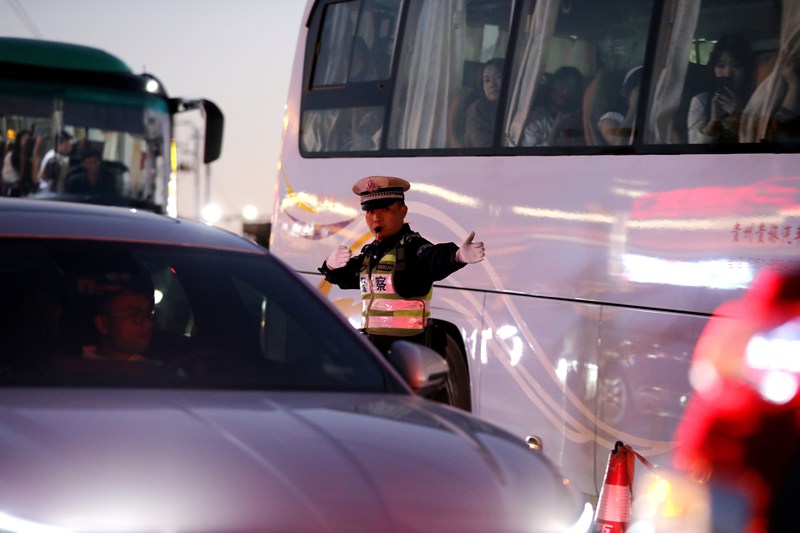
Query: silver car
x=243, y=402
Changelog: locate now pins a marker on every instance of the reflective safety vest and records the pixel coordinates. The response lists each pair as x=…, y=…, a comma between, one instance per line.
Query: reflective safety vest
x=383, y=311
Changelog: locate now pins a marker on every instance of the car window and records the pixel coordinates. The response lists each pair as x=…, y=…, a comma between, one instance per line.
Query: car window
x=78, y=312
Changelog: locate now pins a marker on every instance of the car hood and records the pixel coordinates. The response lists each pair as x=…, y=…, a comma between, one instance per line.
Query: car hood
x=169, y=460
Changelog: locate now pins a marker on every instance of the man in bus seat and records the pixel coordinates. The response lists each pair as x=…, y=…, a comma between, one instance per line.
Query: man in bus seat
x=396, y=271
x=90, y=177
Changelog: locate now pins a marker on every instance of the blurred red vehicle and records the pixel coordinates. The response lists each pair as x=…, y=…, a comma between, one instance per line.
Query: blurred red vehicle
x=741, y=430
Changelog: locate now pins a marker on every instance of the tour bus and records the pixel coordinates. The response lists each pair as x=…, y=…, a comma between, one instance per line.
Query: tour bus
x=51, y=91
x=615, y=220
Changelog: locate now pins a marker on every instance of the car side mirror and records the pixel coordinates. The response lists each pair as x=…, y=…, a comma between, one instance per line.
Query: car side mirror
x=424, y=370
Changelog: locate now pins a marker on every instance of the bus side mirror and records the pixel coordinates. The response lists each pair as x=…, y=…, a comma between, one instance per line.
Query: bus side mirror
x=214, y=123
x=214, y=126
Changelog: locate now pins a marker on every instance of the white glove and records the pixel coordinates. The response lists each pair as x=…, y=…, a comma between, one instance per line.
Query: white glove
x=470, y=252
x=339, y=257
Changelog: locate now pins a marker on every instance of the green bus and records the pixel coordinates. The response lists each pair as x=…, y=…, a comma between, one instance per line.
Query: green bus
x=78, y=124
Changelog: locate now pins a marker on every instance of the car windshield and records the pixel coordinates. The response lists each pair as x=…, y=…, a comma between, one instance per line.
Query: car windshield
x=93, y=313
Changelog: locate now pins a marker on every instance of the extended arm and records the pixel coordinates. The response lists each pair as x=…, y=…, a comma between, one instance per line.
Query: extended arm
x=341, y=268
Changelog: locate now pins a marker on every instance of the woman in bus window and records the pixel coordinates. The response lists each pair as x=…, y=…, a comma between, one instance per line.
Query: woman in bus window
x=714, y=115
x=20, y=176
x=615, y=127
x=481, y=114
x=558, y=122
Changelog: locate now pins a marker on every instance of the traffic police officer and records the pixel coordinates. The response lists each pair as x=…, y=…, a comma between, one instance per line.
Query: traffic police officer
x=396, y=271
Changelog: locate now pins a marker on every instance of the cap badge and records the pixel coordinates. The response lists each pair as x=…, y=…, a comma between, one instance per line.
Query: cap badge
x=372, y=186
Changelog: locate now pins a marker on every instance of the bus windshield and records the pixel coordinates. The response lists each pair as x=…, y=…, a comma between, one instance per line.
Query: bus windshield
x=130, y=133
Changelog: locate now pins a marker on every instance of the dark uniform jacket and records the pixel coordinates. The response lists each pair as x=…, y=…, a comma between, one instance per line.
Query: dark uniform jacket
x=422, y=264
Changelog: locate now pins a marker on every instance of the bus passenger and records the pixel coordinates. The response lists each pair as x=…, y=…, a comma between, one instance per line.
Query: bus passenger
x=90, y=177
x=481, y=114
x=714, y=115
x=396, y=271
x=630, y=94
x=615, y=126
x=20, y=177
x=609, y=127
x=558, y=122
x=55, y=163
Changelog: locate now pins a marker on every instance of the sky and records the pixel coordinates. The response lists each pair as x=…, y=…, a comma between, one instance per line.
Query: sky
x=237, y=53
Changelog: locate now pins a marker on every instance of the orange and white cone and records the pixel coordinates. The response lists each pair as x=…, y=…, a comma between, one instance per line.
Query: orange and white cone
x=614, y=506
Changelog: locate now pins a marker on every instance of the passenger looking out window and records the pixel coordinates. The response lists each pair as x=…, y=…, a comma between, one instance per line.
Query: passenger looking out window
x=481, y=114
x=714, y=115
x=91, y=177
x=557, y=121
x=615, y=99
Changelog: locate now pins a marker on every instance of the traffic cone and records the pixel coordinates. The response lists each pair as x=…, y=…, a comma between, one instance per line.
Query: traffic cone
x=614, y=506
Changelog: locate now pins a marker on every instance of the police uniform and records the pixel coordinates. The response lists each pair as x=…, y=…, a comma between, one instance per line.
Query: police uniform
x=396, y=274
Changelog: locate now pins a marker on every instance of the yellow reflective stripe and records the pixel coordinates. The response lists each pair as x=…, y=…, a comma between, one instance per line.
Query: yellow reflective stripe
x=391, y=304
x=394, y=307
x=395, y=322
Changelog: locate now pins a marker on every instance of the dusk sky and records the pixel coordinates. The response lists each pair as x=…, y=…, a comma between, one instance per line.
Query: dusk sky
x=237, y=53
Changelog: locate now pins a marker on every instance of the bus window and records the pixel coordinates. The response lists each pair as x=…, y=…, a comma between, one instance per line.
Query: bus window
x=439, y=82
x=331, y=66
x=717, y=79
x=576, y=65
x=353, y=56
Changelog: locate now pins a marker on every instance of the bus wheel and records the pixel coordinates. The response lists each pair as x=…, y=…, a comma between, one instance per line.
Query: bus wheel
x=615, y=397
x=456, y=390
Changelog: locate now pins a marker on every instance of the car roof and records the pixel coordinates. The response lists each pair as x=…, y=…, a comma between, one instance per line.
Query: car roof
x=52, y=219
